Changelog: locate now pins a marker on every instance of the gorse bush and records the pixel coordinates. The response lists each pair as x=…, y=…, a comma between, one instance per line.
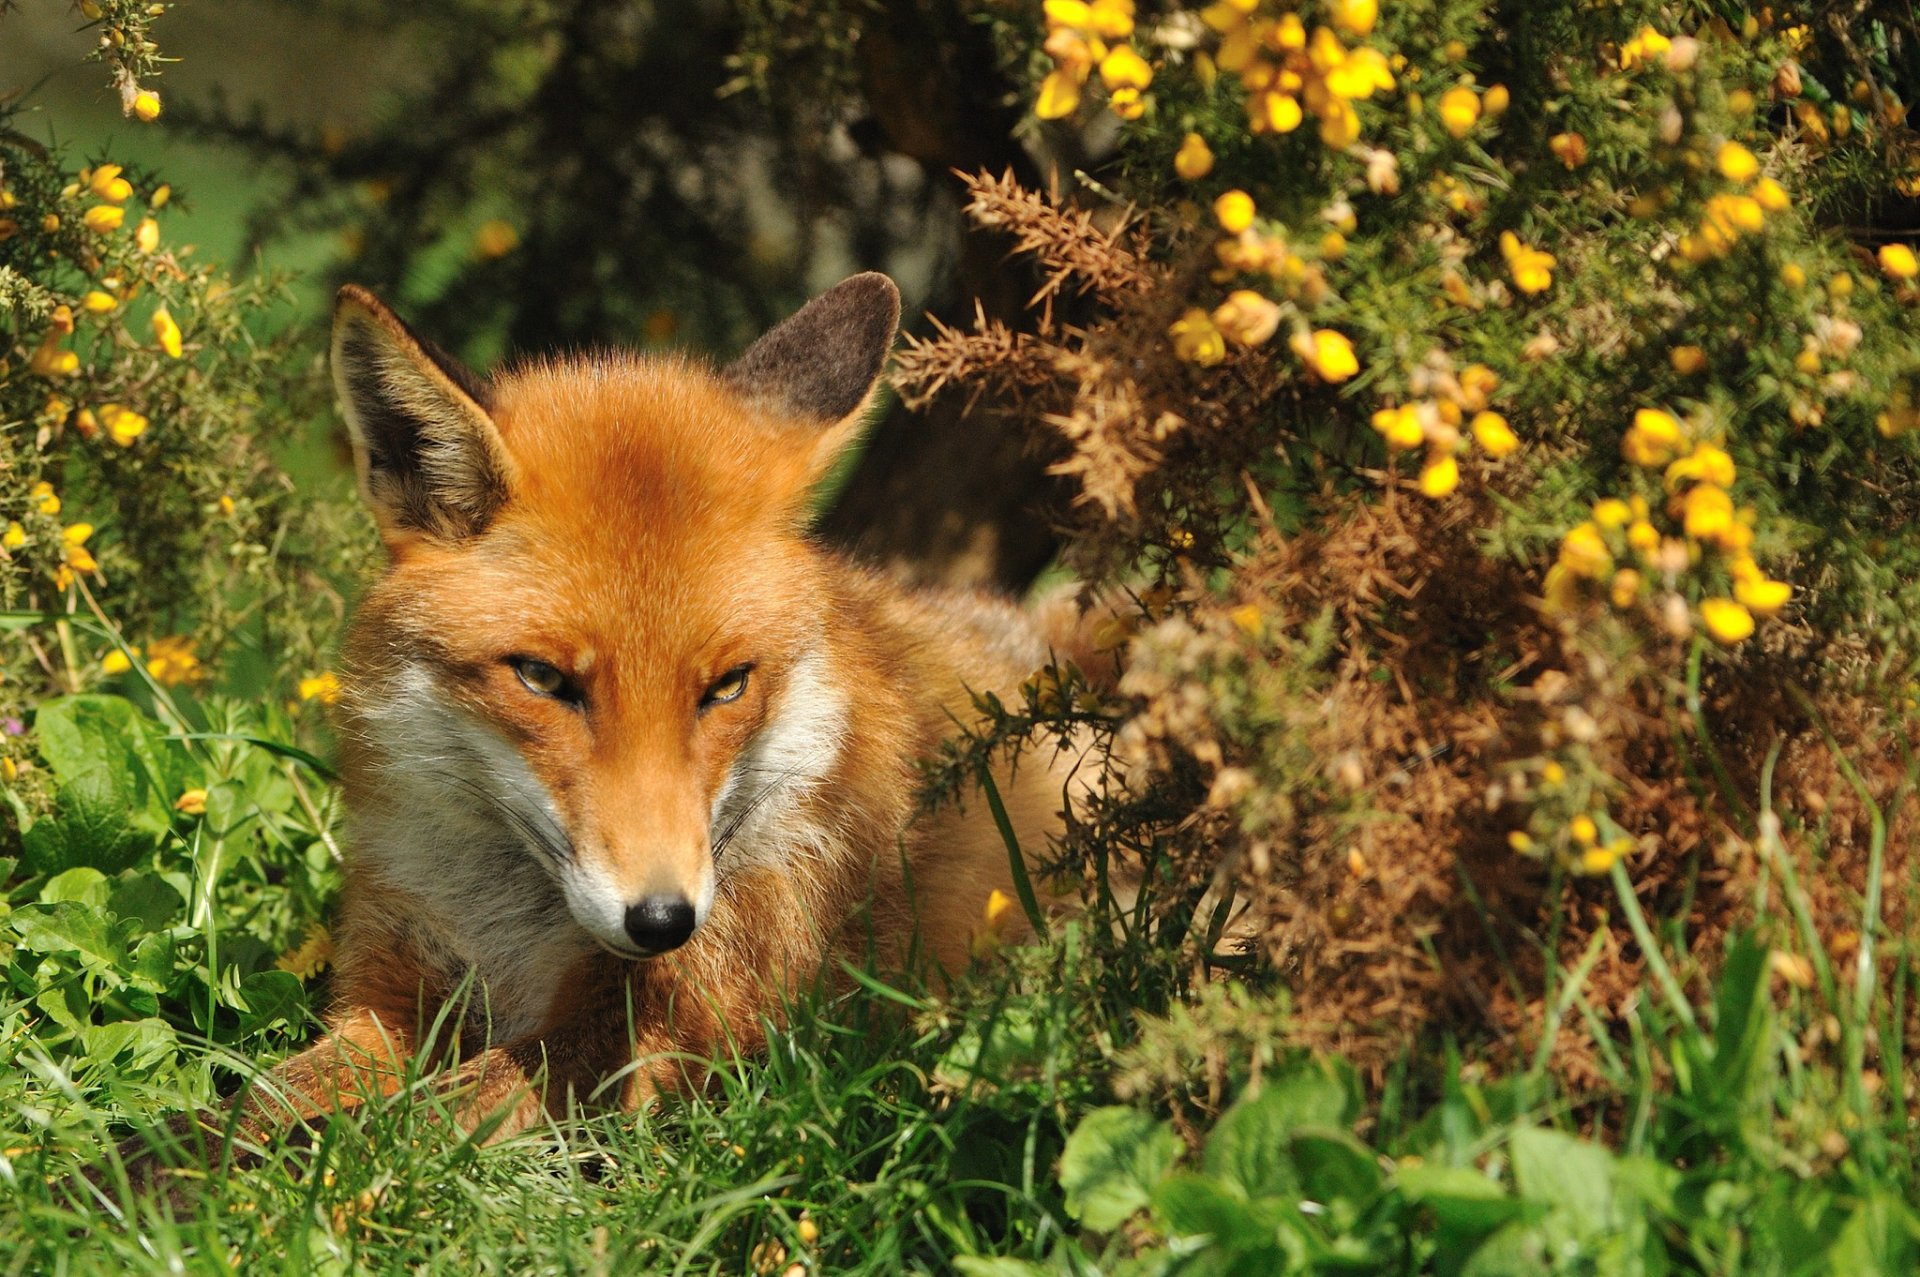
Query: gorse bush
x=1488, y=397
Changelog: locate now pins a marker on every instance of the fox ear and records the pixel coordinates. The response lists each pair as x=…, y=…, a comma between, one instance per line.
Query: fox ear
x=428, y=456
x=820, y=366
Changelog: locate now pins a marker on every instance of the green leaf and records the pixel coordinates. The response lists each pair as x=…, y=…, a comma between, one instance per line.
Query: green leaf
x=1742, y=1029
x=84, y=886
x=1190, y=1205
x=67, y=927
x=147, y=899
x=1250, y=1145
x=1461, y=1199
x=978, y=1266
x=116, y=782
x=1517, y=1250
x=269, y=997
x=1111, y=1163
x=1333, y=1166
x=1570, y=1174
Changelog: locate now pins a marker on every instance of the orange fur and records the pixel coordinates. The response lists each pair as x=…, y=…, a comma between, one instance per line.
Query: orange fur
x=650, y=539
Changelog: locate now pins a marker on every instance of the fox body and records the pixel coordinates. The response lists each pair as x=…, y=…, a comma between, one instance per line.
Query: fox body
x=627, y=756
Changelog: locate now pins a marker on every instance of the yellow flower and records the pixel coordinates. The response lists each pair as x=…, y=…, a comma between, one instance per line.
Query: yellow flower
x=50, y=359
x=1760, y=595
x=171, y=661
x=1339, y=125
x=118, y=661
x=1595, y=861
x=1583, y=829
x=1477, y=381
x=1707, y=512
x=324, y=688
x=1583, y=552
x=1654, y=438
x=495, y=238
x=1569, y=148
x=1706, y=463
x=1736, y=163
x=167, y=332
x=107, y=183
x=1493, y=434
x=1059, y=95
x=1687, y=360
x=1612, y=513
x=1521, y=841
x=192, y=803
x=1196, y=340
x=161, y=194
x=1643, y=537
x=1553, y=774
x=1125, y=69
x=1494, y=101
x=123, y=424
x=15, y=536
x=1459, y=109
x=1127, y=104
x=1625, y=588
x=1234, y=211
x=1110, y=19
x=1772, y=196
x=74, y=548
x=1898, y=261
x=311, y=957
x=1194, y=159
x=1532, y=269
x=104, y=217
x=1356, y=17
x=146, y=105
x=1358, y=74
x=1643, y=48
x=1401, y=426
x=1271, y=112
x=147, y=235
x=98, y=302
x=1328, y=353
x=43, y=498
x=1246, y=318
x=1440, y=476
x=1727, y=621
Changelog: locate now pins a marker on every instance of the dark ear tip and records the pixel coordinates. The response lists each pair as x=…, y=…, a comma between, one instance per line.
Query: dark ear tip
x=874, y=293
x=354, y=297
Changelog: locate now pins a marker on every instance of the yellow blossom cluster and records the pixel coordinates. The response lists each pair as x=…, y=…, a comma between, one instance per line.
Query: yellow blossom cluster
x=1697, y=477
x=1731, y=214
x=170, y=662
x=1441, y=424
x=1088, y=35
x=1288, y=73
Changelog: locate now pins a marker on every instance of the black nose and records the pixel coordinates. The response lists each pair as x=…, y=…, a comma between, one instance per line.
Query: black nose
x=660, y=923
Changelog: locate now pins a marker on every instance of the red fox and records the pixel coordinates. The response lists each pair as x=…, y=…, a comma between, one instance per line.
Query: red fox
x=626, y=755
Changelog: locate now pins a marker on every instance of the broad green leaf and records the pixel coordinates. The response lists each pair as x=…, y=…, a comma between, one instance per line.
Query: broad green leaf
x=148, y=899
x=269, y=997
x=1567, y=1173
x=83, y=886
x=1111, y=1163
x=1517, y=1250
x=1190, y=1205
x=67, y=927
x=1250, y=1144
x=1878, y=1239
x=96, y=823
x=142, y=1043
x=1461, y=1199
x=1333, y=1166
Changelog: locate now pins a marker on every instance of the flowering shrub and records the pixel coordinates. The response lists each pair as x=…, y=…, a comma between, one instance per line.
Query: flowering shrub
x=157, y=856
x=1537, y=386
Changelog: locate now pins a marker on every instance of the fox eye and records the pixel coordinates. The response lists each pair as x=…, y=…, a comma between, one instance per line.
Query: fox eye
x=544, y=679
x=728, y=687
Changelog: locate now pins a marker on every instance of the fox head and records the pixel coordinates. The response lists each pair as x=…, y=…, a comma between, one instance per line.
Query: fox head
x=599, y=640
